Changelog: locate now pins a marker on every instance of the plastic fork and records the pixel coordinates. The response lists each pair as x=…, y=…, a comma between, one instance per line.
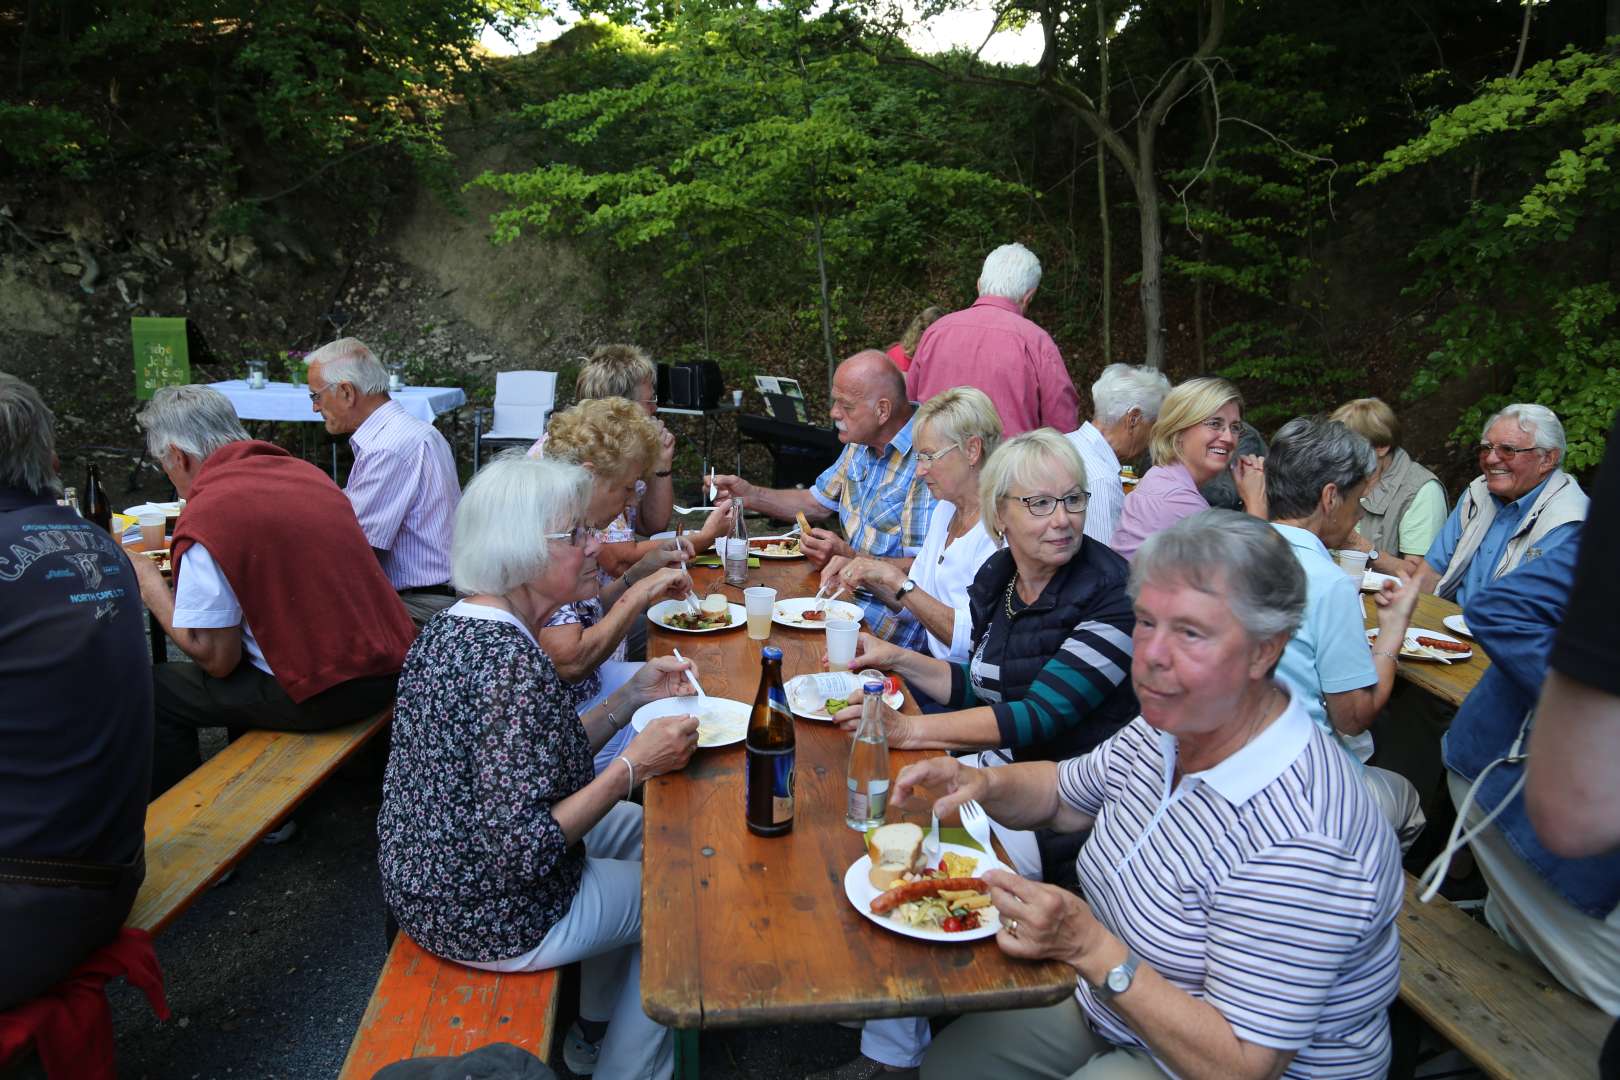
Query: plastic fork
x=695, y=509
x=691, y=601
x=930, y=846
x=691, y=678
x=825, y=600
x=977, y=824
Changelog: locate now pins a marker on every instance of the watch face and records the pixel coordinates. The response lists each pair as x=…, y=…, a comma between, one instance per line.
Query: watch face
x=1119, y=981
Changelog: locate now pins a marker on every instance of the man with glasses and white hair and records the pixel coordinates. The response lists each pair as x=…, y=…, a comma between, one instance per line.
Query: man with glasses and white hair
x=277, y=595
x=403, y=485
x=1125, y=402
x=76, y=723
x=1520, y=507
x=993, y=346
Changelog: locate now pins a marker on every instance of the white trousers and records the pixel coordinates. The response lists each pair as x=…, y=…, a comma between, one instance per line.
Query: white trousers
x=1582, y=952
x=1398, y=800
x=602, y=930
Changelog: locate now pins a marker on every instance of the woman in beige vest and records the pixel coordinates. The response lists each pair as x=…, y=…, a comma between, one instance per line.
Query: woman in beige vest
x=1404, y=505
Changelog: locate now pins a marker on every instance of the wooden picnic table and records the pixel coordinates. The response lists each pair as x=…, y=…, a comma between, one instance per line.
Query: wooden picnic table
x=739, y=930
x=1448, y=682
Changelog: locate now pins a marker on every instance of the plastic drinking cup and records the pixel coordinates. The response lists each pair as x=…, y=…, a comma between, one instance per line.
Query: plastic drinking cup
x=152, y=530
x=842, y=636
x=1353, y=563
x=760, y=602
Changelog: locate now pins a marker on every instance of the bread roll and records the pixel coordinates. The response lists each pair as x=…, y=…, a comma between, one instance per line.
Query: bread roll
x=895, y=850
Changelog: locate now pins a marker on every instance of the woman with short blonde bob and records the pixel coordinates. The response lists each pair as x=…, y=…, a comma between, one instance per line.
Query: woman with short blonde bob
x=1404, y=504
x=953, y=434
x=1195, y=438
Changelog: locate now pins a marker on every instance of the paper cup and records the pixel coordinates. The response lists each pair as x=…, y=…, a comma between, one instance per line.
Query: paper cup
x=1353, y=563
x=842, y=636
x=152, y=530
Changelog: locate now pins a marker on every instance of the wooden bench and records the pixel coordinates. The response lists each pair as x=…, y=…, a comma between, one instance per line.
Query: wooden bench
x=206, y=823
x=1496, y=1005
x=424, y=1006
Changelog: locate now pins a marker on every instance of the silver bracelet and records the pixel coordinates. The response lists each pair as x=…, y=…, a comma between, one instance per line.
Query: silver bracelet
x=613, y=717
x=1393, y=654
x=631, y=769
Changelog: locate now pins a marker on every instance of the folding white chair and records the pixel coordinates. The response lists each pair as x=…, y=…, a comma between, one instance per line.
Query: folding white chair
x=523, y=402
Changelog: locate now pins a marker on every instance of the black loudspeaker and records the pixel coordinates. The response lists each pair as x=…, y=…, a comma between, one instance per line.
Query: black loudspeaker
x=696, y=386
x=711, y=385
x=661, y=385
x=683, y=386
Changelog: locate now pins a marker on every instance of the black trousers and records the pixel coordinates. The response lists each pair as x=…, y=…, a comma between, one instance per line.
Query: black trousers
x=46, y=930
x=187, y=698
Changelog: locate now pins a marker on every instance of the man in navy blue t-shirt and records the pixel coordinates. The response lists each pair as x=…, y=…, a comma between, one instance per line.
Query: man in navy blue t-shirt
x=75, y=716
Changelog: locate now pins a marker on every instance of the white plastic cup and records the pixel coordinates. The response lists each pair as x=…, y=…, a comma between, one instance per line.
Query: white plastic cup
x=1354, y=563
x=760, y=602
x=736, y=398
x=152, y=530
x=842, y=637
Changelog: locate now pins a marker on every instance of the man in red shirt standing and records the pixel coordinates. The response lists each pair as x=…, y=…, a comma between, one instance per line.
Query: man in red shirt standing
x=992, y=346
x=278, y=598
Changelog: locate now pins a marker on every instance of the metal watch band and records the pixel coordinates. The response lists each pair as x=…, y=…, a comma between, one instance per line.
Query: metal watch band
x=1119, y=978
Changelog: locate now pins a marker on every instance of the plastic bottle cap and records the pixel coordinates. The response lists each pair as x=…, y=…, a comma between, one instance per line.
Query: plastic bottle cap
x=872, y=688
x=771, y=652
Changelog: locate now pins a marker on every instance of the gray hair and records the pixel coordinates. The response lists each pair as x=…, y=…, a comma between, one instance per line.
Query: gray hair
x=27, y=439
x=1536, y=420
x=504, y=515
x=1010, y=272
x=195, y=419
x=1123, y=387
x=348, y=360
x=1308, y=454
x=1026, y=460
x=1232, y=555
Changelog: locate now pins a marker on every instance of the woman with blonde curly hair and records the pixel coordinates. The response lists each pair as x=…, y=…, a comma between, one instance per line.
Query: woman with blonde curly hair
x=1194, y=440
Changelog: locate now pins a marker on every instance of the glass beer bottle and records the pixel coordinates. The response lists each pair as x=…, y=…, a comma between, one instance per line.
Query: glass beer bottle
x=768, y=797
x=94, y=505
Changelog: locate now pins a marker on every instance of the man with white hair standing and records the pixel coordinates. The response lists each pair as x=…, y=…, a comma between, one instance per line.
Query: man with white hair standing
x=994, y=347
x=1125, y=402
x=403, y=485
x=1520, y=507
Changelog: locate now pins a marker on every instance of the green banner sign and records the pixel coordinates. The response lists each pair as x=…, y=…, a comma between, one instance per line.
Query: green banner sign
x=161, y=358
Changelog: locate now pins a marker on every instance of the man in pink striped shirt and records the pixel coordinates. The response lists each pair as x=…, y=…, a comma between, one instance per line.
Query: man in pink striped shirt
x=992, y=346
x=403, y=485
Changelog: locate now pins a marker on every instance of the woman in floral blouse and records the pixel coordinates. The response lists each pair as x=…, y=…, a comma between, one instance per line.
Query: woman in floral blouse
x=499, y=849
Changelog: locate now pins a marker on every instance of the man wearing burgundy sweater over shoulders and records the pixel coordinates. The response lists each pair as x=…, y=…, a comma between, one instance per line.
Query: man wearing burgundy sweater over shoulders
x=278, y=597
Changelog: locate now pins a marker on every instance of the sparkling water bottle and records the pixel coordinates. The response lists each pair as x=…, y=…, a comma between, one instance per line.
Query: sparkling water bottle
x=868, y=800
x=736, y=547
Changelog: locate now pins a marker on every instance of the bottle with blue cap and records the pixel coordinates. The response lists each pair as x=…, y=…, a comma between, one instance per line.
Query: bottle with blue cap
x=869, y=764
x=768, y=797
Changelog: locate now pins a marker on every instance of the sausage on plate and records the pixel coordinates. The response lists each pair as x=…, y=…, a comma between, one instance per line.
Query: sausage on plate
x=890, y=899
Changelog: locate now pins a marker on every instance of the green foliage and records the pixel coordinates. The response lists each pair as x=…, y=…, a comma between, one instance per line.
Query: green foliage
x=47, y=138
x=1523, y=277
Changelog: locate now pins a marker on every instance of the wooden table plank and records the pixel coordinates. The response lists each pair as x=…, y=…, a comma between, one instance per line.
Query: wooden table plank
x=740, y=930
x=1448, y=682
x=1498, y=1006
x=203, y=825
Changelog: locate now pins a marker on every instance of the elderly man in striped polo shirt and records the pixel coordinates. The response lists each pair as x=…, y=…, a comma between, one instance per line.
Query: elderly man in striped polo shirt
x=403, y=485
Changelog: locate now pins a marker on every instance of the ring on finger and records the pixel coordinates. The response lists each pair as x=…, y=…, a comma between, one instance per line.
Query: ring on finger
x=1012, y=927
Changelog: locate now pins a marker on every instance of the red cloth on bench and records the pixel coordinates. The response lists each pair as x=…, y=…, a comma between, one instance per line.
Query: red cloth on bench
x=71, y=1023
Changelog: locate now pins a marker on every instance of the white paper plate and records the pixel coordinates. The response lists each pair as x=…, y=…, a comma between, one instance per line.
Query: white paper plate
x=828, y=684
x=1456, y=625
x=721, y=721
x=1372, y=580
x=153, y=508
x=790, y=612
x=858, y=887
x=1411, y=650
x=660, y=613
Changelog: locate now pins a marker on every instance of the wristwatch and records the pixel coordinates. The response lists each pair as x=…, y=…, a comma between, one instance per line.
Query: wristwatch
x=1372, y=556
x=1118, y=979
x=905, y=587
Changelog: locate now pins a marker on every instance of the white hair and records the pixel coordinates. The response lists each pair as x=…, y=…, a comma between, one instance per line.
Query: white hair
x=1232, y=555
x=1536, y=420
x=194, y=419
x=504, y=515
x=348, y=360
x=1028, y=460
x=1123, y=387
x=1010, y=272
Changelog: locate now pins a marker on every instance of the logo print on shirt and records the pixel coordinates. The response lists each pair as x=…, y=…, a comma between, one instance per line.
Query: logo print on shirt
x=89, y=567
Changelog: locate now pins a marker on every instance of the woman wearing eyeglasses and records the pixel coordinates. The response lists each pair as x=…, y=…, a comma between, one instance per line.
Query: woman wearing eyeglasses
x=499, y=848
x=1194, y=440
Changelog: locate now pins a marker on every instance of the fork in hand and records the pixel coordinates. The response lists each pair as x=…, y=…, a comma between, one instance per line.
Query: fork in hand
x=977, y=824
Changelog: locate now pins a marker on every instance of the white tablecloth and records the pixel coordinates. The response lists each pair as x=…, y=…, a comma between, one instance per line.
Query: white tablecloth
x=290, y=401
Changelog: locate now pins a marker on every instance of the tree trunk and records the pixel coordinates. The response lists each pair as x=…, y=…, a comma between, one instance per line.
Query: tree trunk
x=1102, y=193
x=821, y=269
x=1147, y=199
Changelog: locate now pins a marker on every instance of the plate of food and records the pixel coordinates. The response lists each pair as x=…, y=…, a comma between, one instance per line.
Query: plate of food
x=819, y=695
x=161, y=557
x=1373, y=581
x=715, y=614
x=1457, y=625
x=801, y=614
x=775, y=547
x=946, y=902
x=721, y=721
x=1421, y=644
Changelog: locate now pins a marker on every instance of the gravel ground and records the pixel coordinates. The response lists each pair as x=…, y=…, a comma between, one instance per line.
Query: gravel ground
x=268, y=975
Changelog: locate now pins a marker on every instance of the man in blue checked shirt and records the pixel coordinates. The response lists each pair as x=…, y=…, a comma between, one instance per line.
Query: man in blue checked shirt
x=873, y=486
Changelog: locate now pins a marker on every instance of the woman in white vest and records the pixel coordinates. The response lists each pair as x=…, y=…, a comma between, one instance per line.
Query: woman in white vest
x=1404, y=504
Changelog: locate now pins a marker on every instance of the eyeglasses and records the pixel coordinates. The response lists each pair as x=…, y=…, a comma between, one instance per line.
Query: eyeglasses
x=575, y=536
x=1504, y=451
x=315, y=395
x=925, y=458
x=1043, y=505
x=1217, y=425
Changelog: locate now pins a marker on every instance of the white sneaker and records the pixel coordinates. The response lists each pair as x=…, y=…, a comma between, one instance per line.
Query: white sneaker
x=288, y=830
x=580, y=1056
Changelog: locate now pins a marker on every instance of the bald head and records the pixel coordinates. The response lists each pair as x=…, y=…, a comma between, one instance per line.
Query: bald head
x=869, y=399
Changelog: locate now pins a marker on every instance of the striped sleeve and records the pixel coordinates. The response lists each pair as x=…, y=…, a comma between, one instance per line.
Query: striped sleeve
x=1083, y=780
x=1285, y=928
x=1091, y=663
